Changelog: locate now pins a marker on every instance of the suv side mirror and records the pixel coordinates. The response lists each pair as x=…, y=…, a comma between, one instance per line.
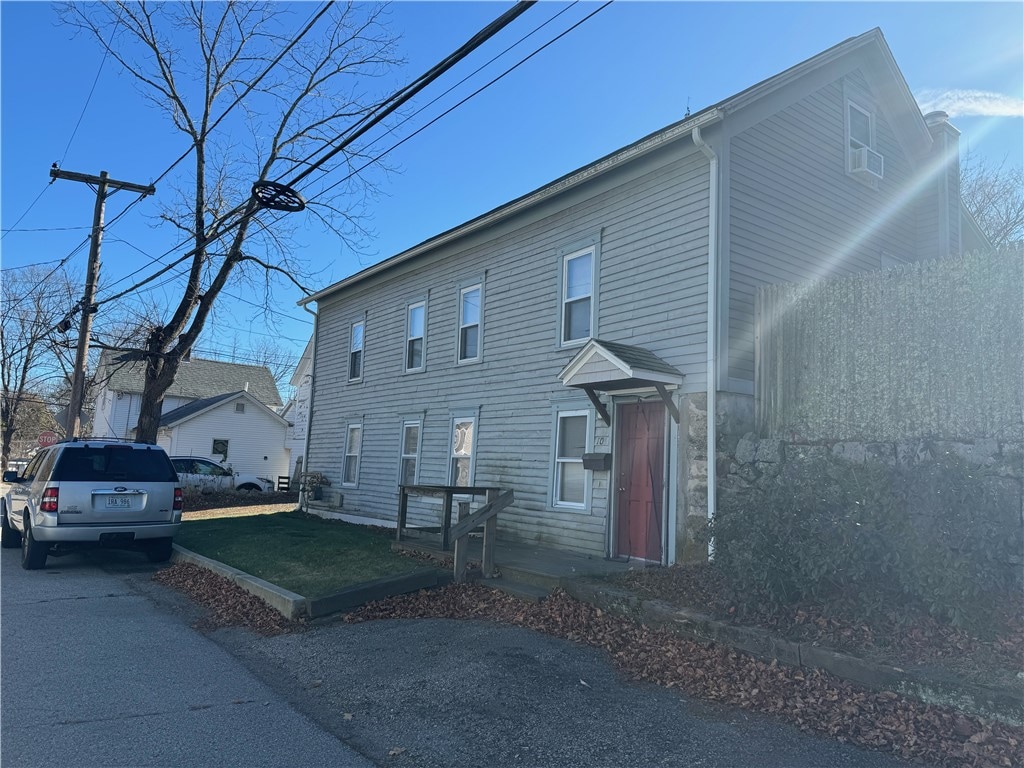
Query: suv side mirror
x=11, y=476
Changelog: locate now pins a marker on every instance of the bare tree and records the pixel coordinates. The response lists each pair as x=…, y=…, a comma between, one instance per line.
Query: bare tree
x=994, y=194
x=35, y=357
x=192, y=61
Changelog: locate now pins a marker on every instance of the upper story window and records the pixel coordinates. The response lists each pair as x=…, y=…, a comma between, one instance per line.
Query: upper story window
x=578, y=295
x=470, y=314
x=355, y=353
x=862, y=160
x=416, y=324
x=861, y=128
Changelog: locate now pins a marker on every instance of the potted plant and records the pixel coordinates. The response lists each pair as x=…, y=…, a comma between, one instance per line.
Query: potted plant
x=313, y=484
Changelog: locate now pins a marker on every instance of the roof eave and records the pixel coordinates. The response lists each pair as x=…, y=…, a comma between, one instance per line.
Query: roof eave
x=654, y=141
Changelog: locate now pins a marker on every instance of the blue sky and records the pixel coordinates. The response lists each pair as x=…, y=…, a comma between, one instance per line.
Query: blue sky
x=631, y=69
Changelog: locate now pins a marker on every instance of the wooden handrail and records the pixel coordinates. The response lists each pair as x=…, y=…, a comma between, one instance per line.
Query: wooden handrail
x=487, y=511
x=488, y=515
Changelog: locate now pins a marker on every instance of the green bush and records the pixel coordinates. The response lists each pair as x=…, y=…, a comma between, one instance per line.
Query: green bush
x=828, y=530
x=967, y=540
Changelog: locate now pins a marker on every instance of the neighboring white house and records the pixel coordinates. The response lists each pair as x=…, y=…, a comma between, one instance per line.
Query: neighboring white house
x=188, y=428
x=234, y=429
x=296, y=411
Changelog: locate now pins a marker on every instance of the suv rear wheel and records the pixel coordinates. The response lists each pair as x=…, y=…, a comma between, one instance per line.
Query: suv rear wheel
x=159, y=550
x=9, y=536
x=33, y=553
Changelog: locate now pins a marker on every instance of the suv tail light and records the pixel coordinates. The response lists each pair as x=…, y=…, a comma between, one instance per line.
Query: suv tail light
x=49, y=502
x=177, y=500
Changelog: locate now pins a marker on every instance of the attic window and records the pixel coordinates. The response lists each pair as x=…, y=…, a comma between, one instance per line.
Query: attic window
x=239, y=407
x=862, y=160
x=861, y=128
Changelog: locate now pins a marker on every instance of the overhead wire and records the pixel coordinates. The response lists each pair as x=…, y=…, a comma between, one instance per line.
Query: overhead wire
x=310, y=23
x=463, y=101
x=377, y=115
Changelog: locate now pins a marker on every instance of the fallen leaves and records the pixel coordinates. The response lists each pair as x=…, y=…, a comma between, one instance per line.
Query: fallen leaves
x=228, y=603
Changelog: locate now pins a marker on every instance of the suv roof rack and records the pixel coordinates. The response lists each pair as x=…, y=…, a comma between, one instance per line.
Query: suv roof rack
x=87, y=439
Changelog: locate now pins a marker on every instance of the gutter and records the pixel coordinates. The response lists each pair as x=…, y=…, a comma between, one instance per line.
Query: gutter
x=712, y=339
x=303, y=500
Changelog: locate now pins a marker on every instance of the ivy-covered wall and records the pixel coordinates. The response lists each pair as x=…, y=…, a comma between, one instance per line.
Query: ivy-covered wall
x=933, y=350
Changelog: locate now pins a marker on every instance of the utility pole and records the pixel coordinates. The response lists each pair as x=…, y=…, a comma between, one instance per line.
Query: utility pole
x=102, y=184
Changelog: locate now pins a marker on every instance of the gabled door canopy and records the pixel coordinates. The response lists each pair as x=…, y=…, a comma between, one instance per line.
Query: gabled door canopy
x=607, y=366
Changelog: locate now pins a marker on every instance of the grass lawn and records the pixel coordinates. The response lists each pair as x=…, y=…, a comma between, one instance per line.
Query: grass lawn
x=299, y=552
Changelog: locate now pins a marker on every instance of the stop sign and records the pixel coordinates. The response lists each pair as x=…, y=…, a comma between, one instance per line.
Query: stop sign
x=47, y=438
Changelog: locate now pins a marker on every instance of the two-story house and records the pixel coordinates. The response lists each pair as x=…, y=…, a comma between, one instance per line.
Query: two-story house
x=610, y=313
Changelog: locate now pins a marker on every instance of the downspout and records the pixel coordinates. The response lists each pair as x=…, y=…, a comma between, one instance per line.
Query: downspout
x=712, y=341
x=304, y=500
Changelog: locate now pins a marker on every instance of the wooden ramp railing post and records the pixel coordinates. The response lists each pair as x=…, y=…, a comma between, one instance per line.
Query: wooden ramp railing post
x=486, y=515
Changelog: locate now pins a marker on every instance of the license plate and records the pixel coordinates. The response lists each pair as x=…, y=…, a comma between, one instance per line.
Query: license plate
x=119, y=502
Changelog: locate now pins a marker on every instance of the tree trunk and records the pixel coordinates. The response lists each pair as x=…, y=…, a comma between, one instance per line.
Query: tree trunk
x=160, y=373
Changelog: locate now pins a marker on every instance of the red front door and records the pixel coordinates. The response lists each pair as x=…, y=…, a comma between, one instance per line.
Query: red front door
x=640, y=452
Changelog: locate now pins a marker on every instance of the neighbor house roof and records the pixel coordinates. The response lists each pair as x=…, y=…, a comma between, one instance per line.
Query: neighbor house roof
x=196, y=379
x=193, y=409
x=908, y=124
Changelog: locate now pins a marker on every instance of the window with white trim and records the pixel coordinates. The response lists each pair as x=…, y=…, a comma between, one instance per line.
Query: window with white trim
x=415, y=343
x=470, y=316
x=860, y=128
x=353, y=443
x=570, y=444
x=410, y=458
x=355, y=353
x=460, y=471
x=577, y=295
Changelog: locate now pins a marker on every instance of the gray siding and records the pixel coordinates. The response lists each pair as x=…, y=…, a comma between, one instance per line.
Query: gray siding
x=652, y=219
x=795, y=212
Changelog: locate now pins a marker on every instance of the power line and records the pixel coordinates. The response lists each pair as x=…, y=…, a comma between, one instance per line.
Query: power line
x=106, y=52
x=247, y=210
x=463, y=101
x=277, y=60
x=44, y=229
x=30, y=207
x=310, y=23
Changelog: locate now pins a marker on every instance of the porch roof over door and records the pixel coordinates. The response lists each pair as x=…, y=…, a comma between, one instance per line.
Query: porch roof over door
x=607, y=366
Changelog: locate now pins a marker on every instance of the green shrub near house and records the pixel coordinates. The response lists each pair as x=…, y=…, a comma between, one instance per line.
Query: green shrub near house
x=938, y=534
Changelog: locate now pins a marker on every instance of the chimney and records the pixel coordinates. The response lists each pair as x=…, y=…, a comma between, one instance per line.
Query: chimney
x=246, y=387
x=944, y=167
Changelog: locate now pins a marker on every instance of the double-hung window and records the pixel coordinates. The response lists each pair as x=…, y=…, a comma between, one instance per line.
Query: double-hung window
x=416, y=323
x=410, y=453
x=353, y=443
x=461, y=463
x=470, y=315
x=861, y=127
x=355, y=351
x=577, y=295
x=570, y=444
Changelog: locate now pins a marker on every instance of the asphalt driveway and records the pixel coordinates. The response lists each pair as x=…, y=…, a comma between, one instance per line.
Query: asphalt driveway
x=438, y=692
x=101, y=667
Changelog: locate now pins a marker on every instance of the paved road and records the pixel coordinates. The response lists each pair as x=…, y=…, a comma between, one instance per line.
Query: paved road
x=125, y=681
x=95, y=673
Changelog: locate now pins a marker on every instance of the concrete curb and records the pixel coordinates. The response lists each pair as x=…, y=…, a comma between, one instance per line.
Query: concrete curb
x=293, y=606
x=289, y=604
x=1003, y=704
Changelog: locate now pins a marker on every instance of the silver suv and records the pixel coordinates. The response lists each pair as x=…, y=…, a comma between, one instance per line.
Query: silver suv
x=91, y=493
